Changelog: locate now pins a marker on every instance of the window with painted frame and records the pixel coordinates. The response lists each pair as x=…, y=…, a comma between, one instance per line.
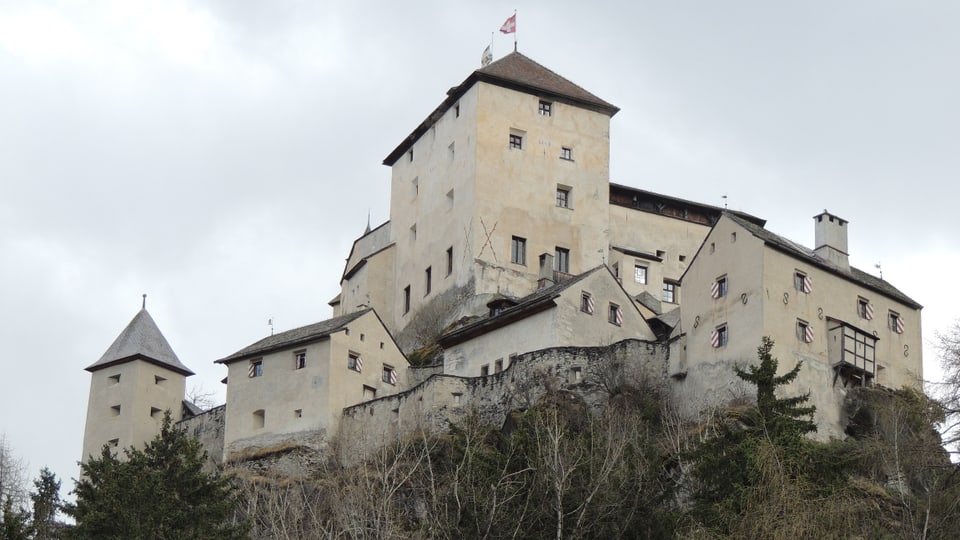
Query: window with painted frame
x=640, y=274
x=586, y=302
x=518, y=250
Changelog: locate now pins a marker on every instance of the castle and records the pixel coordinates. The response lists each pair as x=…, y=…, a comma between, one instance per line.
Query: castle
x=511, y=262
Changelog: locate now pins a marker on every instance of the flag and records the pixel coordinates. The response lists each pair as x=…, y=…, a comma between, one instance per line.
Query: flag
x=510, y=25
x=487, y=57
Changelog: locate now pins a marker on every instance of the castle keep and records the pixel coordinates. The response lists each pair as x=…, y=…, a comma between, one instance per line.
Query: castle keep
x=512, y=263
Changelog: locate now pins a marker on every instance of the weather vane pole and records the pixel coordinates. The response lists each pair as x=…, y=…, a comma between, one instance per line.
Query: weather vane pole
x=144, y=301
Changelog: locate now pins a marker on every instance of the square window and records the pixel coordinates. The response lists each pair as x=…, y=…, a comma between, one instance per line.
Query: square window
x=563, y=197
x=155, y=412
x=158, y=380
x=115, y=410
x=516, y=142
x=719, y=288
x=114, y=379
x=719, y=337
x=484, y=370
x=615, y=314
x=255, y=369
x=298, y=413
x=546, y=108
x=354, y=362
x=561, y=260
x=802, y=282
x=669, y=292
x=389, y=375
x=428, y=275
x=864, y=308
x=575, y=375
x=369, y=393
x=299, y=359
x=804, y=332
x=498, y=365
x=566, y=153
x=518, y=250
x=406, y=299
x=640, y=274
x=586, y=302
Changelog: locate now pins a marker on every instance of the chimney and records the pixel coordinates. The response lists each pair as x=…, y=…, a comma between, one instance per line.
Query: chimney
x=545, y=278
x=831, y=239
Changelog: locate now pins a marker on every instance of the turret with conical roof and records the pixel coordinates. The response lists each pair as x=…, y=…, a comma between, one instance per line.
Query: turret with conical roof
x=131, y=385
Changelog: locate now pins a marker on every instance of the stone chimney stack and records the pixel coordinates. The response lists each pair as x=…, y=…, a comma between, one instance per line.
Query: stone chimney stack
x=545, y=279
x=831, y=239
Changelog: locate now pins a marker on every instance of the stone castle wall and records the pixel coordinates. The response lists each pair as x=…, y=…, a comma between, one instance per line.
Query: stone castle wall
x=208, y=428
x=590, y=372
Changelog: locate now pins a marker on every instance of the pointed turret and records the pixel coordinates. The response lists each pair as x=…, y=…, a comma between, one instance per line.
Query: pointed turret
x=131, y=385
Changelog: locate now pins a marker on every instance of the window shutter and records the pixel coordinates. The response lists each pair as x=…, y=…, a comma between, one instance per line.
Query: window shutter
x=715, y=290
x=619, y=316
x=590, y=304
x=808, y=334
x=868, y=311
x=715, y=339
x=899, y=325
x=807, y=284
x=393, y=376
x=252, y=370
x=359, y=364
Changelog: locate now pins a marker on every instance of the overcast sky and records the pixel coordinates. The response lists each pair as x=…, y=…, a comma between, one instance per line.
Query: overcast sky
x=222, y=156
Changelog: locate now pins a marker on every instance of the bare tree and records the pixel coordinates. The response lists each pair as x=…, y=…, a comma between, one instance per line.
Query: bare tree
x=201, y=397
x=13, y=474
x=948, y=391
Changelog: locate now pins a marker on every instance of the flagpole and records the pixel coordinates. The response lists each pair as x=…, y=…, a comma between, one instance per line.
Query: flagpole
x=514, y=30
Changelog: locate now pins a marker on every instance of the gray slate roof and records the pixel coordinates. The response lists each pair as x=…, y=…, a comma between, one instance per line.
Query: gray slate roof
x=141, y=340
x=292, y=338
x=517, y=72
x=807, y=255
x=528, y=305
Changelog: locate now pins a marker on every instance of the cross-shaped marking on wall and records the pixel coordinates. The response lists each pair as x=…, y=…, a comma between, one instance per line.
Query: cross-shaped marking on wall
x=488, y=242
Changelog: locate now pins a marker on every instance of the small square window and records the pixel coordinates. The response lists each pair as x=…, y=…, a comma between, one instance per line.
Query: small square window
x=369, y=393
x=354, y=362
x=389, y=375
x=804, y=332
x=546, y=108
x=498, y=365
x=518, y=250
x=719, y=337
x=299, y=359
x=575, y=375
x=802, y=282
x=615, y=314
x=563, y=197
x=719, y=288
x=586, y=302
x=114, y=443
x=484, y=370
x=864, y=308
x=114, y=379
x=640, y=274
x=298, y=413
x=516, y=142
x=255, y=369
x=115, y=410
x=155, y=412
x=158, y=380
x=566, y=153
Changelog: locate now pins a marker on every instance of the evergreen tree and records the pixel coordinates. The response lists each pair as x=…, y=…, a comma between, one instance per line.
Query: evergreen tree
x=46, y=505
x=16, y=522
x=160, y=492
x=780, y=418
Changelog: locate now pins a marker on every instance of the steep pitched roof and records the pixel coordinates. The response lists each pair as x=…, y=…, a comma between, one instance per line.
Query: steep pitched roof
x=141, y=340
x=807, y=255
x=529, y=305
x=297, y=336
x=517, y=72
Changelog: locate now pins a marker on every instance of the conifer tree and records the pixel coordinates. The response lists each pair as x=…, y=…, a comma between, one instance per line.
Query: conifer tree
x=160, y=492
x=14, y=522
x=46, y=505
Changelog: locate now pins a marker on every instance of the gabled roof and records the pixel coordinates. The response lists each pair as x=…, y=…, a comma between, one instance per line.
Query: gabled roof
x=540, y=300
x=517, y=72
x=807, y=255
x=675, y=207
x=141, y=340
x=297, y=336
